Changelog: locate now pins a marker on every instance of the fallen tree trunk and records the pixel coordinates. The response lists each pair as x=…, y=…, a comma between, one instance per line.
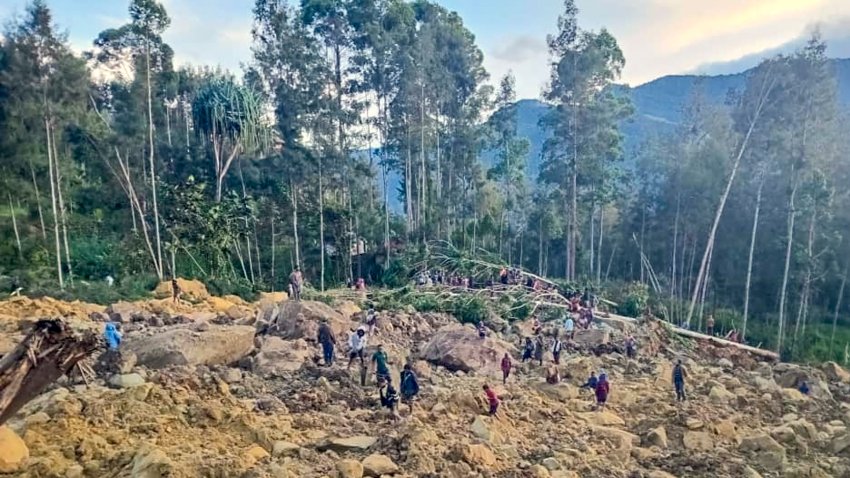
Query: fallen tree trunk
x=49, y=351
x=726, y=343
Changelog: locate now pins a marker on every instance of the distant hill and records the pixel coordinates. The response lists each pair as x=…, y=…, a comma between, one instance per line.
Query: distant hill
x=658, y=106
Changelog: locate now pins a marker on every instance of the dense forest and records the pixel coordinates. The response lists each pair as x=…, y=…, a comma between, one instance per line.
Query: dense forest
x=116, y=164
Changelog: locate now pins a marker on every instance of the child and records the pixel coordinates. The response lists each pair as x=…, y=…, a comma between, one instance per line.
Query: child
x=492, y=400
x=602, y=389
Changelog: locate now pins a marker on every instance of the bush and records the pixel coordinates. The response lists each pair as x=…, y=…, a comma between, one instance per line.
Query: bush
x=632, y=299
x=469, y=310
x=238, y=287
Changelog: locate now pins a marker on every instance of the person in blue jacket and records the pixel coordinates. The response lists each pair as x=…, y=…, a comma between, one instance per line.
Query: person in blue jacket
x=112, y=336
x=591, y=382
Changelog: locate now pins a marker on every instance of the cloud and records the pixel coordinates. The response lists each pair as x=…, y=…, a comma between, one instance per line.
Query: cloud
x=520, y=49
x=836, y=34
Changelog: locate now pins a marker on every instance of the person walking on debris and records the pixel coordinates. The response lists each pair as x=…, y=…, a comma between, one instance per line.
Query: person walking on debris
x=112, y=336
x=631, y=347
x=528, y=350
x=538, y=350
x=492, y=400
x=535, y=326
x=176, y=292
x=482, y=330
x=389, y=397
x=709, y=325
x=570, y=327
x=507, y=364
x=296, y=280
x=356, y=344
x=371, y=319
x=679, y=376
x=382, y=371
x=602, y=389
x=327, y=339
x=409, y=386
x=591, y=383
x=556, y=350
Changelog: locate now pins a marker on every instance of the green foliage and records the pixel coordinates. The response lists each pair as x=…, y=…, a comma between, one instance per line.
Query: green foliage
x=631, y=299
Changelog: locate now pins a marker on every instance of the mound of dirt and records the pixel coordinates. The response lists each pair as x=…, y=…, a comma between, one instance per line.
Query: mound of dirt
x=192, y=290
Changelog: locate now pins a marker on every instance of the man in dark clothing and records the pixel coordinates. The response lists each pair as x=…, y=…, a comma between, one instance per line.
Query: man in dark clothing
x=679, y=376
x=528, y=349
x=327, y=339
x=409, y=386
x=709, y=325
x=175, y=291
x=296, y=280
x=539, y=350
x=556, y=350
x=631, y=347
x=389, y=398
x=506, y=367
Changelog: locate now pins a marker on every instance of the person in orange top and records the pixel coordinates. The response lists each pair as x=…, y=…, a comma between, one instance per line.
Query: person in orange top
x=492, y=399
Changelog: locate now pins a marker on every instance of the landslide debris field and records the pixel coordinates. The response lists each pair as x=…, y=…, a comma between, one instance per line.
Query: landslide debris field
x=200, y=394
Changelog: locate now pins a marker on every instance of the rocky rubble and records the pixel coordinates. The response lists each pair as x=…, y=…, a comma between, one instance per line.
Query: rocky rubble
x=208, y=398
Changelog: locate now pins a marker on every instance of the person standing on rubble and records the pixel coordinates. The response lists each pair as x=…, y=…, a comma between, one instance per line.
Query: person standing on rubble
x=570, y=326
x=176, y=292
x=409, y=386
x=528, y=349
x=556, y=349
x=327, y=339
x=507, y=364
x=631, y=347
x=356, y=344
x=380, y=359
x=296, y=280
x=679, y=376
x=539, y=348
x=602, y=389
x=492, y=400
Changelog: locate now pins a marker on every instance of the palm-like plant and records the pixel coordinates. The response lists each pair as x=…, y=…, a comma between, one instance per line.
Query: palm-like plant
x=230, y=116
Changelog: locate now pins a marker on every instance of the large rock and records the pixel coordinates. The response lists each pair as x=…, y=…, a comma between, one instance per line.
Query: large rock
x=698, y=441
x=189, y=289
x=592, y=337
x=220, y=345
x=767, y=453
x=349, y=469
x=481, y=429
x=294, y=320
x=379, y=465
x=127, y=312
x=604, y=418
x=13, y=451
x=128, y=380
x=355, y=443
x=657, y=437
x=719, y=395
x=836, y=372
x=478, y=455
x=278, y=355
x=459, y=348
x=151, y=462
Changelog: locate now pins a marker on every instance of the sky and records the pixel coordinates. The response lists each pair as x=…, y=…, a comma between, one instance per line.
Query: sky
x=658, y=37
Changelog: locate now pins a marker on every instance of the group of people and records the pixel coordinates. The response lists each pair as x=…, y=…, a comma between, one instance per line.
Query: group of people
x=357, y=344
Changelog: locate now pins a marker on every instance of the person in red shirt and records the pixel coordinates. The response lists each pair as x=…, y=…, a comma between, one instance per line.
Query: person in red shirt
x=506, y=367
x=602, y=389
x=492, y=399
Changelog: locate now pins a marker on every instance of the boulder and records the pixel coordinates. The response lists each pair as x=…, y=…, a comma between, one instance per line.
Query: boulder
x=254, y=455
x=698, y=441
x=551, y=463
x=720, y=395
x=767, y=453
x=293, y=320
x=127, y=312
x=221, y=345
x=840, y=444
x=726, y=429
x=478, y=455
x=151, y=462
x=603, y=418
x=128, y=380
x=836, y=372
x=725, y=364
x=13, y=451
x=278, y=355
x=481, y=429
x=538, y=471
x=348, y=309
x=349, y=469
x=459, y=348
x=591, y=338
x=284, y=448
x=379, y=465
x=657, y=437
x=659, y=474
x=559, y=391
x=355, y=443
x=192, y=290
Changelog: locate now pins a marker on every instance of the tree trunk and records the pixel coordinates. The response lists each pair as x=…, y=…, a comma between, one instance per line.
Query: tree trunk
x=540, y=248
x=750, y=257
x=274, y=275
x=321, y=229
x=408, y=184
x=599, y=247
x=62, y=212
x=294, y=199
x=53, y=203
x=802, y=311
x=592, y=242
x=788, y=246
x=151, y=159
x=720, y=207
x=675, y=251
x=38, y=203
x=838, y=306
x=15, y=228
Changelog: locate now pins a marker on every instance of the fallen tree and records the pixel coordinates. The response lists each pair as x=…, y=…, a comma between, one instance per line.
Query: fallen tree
x=49, y=351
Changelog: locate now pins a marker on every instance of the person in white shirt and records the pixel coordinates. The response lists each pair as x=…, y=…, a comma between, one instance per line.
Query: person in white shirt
x=356, y=345
x=570, y=327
